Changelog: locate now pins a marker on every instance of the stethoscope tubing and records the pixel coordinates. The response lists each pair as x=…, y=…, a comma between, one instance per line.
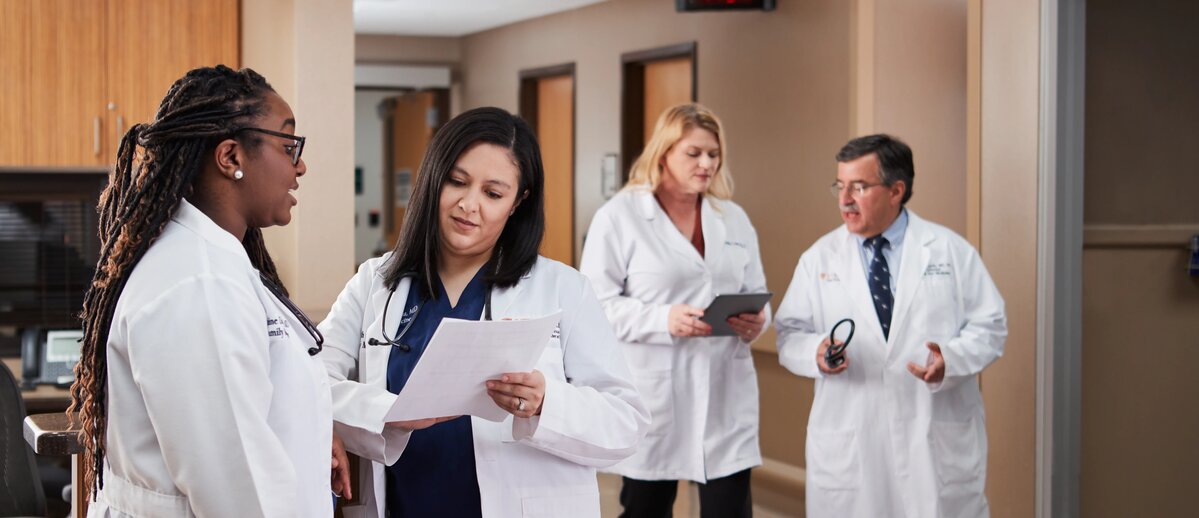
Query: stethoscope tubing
x=836, y=352
x=396, y=342
x=295, y=310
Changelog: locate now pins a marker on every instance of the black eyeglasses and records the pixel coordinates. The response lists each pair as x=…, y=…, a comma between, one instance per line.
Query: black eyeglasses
x=296, y=149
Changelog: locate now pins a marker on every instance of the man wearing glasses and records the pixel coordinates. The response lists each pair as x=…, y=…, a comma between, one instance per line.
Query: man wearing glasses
x=897, y=426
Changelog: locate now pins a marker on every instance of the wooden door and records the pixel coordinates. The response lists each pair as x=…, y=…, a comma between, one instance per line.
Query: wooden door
x=152, y=44
x=667, y=83
x=652, y=81
x=52, y=76
x=555, y=132
x=413, y=119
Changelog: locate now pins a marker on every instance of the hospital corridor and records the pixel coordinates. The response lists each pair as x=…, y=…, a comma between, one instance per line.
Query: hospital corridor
x=598, y=258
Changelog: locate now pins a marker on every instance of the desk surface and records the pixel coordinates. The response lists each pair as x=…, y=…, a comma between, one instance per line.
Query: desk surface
x=45, y=398
x=50, y=434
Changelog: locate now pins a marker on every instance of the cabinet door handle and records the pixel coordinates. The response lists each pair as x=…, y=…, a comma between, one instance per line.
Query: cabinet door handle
x=96, y=136
x=120, y=129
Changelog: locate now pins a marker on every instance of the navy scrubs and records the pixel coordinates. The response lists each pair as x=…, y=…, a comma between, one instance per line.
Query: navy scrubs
x=435, y=476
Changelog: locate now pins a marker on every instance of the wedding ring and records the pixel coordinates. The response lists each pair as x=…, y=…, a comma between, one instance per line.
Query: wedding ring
x=520, y=404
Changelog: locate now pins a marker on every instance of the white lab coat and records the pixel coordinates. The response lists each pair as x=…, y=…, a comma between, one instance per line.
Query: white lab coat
x=541, y=466
x=215, y=407
x=701, y=391
x=880, y=441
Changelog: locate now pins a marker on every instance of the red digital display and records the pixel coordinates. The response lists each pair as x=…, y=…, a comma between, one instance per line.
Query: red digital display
x=721, y=5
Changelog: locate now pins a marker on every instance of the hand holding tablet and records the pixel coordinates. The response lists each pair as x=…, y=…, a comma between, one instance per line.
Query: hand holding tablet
x=729, y=305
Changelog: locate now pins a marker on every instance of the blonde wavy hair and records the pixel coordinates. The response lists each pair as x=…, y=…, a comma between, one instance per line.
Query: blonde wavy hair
x=646, y=172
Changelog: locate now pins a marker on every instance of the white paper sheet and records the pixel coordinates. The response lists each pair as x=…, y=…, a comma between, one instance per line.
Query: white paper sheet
x=450, y=377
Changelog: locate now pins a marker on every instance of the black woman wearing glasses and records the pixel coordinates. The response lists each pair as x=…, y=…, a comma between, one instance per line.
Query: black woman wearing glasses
x=468, y=250
x=198, y=389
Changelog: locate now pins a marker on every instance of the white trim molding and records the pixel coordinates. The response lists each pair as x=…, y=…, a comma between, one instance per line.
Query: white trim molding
x=416, y=77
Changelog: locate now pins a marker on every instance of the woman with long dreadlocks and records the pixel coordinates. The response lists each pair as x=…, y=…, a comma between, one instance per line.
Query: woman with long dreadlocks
x=198, y=391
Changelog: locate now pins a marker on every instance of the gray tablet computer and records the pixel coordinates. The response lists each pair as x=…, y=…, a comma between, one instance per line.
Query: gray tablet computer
x=725, y=306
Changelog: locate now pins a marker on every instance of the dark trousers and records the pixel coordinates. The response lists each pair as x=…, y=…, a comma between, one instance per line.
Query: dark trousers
x=726, y=497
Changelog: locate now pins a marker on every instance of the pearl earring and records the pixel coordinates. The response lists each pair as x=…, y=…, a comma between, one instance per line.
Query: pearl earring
x=237, y=175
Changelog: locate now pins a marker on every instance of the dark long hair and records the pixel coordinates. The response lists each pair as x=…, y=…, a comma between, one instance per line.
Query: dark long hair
x=157, y=164
x=419, y=246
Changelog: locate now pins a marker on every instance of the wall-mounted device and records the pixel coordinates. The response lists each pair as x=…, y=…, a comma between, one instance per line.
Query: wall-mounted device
x=609, y=176
x=723, y=5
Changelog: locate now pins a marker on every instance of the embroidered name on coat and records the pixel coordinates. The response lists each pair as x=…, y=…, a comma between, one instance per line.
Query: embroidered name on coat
x=939, y=270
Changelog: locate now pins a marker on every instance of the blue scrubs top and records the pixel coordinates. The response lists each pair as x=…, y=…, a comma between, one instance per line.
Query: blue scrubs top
x=435, y=476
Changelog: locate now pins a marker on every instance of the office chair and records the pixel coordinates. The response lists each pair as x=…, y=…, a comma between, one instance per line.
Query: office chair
x=21, y=492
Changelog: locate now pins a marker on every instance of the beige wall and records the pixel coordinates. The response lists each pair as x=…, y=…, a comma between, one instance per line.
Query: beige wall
x=792, y=85
x=1140, y=324
x=315, y=253
x=779, y=81
x=910, y=81
x=786, y=84
x=1008, y=152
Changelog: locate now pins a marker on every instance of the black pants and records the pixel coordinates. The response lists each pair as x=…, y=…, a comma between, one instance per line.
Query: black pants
x=726, y=497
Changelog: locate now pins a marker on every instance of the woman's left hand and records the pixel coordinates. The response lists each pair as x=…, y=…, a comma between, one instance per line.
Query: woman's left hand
x=748, y=325
x=520, y=393
x=340, y=478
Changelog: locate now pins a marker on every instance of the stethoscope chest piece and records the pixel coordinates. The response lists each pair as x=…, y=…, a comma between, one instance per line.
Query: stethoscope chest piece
x=834, y=356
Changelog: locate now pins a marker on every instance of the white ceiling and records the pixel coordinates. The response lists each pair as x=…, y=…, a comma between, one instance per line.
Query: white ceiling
x=450, y=17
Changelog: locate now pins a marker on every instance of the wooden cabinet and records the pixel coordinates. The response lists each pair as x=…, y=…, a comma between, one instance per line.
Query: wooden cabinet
x=51, y=76
x=151, y=44
x=75, y=74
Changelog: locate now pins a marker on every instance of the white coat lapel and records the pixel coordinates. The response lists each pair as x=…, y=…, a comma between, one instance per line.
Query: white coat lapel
x=664, y=227
x=502, y=299
x=915, y=261
x=859, y=292
x=714, y=235
x=377, y=355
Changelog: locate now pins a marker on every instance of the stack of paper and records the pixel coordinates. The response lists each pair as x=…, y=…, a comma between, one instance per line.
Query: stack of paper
x=450, y=377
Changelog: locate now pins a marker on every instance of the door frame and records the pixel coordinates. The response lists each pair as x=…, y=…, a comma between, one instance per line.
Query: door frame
x=387, y=182
x=1060, y=224
x=442, y=103
x=632, y=95
x=527, y=99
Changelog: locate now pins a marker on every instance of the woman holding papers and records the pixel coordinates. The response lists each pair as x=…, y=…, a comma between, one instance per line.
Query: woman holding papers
x=658, y=253
x=468, y=250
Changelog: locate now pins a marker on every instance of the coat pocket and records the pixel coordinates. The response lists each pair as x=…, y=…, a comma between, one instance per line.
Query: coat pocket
x=958, y=451
x=657, y=391
x=833, y=459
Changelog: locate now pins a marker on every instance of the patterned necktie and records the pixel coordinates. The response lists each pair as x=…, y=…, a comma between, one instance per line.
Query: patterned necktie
x=879, y=280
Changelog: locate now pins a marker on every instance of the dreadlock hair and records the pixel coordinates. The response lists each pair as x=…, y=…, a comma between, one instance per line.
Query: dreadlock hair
x=157, y=164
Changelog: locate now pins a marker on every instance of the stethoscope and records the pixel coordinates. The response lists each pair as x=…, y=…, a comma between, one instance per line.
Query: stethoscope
x=295, y=310
x=408, y=324
x=834, y=356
